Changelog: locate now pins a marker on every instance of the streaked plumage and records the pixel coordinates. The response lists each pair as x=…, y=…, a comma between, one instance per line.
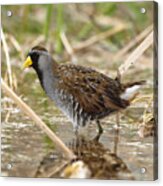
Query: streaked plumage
x=81, y=93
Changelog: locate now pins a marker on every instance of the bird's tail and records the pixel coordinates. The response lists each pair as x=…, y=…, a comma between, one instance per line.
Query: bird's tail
x=131, y=90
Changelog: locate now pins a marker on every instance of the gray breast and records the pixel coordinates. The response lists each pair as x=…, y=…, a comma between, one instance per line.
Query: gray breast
x=64, y=101
x=70, y=107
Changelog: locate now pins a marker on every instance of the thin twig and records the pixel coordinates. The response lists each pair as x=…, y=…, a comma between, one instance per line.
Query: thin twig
x=103, y=20
x=99, y=37
x=53, y=172
x=146, y=43
x=14, y=42
x=38, y=41
x=16, y=45
x=68, y=47
x=7, y=116
x=133, y=42
x=5, y=47
x=66, y=44
x=27, y=110
x=116, y=137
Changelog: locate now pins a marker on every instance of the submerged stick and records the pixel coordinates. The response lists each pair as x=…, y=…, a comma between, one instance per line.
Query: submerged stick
x=27, y=110
x=145, y=44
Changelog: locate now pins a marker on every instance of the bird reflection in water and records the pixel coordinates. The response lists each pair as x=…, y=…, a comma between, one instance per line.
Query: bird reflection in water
x=94, y=161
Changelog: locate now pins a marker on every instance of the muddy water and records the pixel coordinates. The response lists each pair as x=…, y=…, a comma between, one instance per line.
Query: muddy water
x=24, y=145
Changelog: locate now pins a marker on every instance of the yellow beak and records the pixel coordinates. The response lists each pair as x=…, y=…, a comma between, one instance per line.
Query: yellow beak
x=27, y=63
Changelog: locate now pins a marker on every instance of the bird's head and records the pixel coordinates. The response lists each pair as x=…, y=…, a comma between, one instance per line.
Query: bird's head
x=36, y=57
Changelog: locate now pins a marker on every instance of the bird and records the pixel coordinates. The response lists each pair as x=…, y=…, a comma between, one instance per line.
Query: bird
x=82, y=93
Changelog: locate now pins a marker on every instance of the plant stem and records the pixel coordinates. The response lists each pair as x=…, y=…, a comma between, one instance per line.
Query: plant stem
x=27, y=110
x=59, y=27
x=49, y=10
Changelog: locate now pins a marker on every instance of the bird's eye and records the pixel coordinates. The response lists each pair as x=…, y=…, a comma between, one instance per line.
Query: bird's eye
x=34, y=56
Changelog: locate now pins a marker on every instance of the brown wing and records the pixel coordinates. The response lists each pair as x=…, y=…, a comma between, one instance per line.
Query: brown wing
x=95, y=92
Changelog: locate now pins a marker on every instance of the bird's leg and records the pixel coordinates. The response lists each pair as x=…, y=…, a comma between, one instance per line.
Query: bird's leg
x=100, y=130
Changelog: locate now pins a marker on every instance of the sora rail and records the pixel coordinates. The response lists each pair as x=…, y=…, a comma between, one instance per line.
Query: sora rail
x=81, y=93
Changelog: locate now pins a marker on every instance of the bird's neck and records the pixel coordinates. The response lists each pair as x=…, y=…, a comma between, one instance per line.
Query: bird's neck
x=47, y=75
x=40, y=76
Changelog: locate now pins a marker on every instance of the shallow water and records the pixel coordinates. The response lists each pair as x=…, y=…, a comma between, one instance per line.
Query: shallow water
x=24, y=145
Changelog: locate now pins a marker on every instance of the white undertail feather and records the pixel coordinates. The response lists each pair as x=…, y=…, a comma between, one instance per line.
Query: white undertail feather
x=130, y=92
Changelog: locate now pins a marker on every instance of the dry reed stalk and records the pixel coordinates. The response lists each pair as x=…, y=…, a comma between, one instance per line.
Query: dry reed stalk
x=66, y=44
x=145, y=44
x=16, y=45
x=7, y=116
x=146, y=114
x=68, y=47
x=133, y=42
x=53, y=172
x=116, y=137
x=27, y=110
x=142, y=97
x=14, y=42
x=99, y=37
x=5, y=47
x=104, y=20
x=38, y=41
